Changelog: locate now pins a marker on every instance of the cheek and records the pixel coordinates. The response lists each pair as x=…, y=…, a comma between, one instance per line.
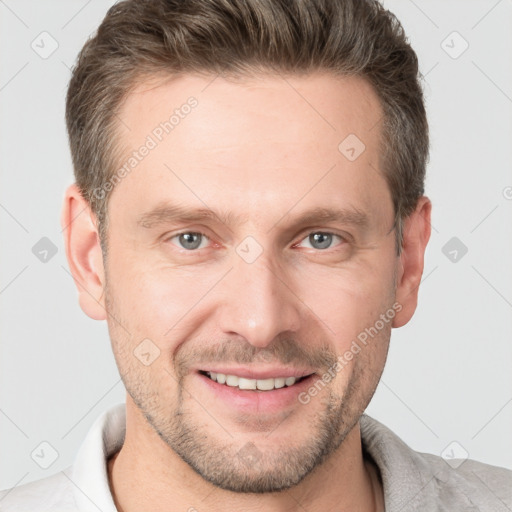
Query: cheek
x=155, y=301
x=347, y=300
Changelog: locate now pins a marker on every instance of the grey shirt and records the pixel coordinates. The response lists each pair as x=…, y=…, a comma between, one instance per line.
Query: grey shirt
x=412, y=481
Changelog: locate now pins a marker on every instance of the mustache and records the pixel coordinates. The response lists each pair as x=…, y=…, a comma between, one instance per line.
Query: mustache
x=285, y=351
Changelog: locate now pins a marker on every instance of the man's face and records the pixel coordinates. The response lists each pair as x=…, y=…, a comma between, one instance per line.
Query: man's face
x=255, y=290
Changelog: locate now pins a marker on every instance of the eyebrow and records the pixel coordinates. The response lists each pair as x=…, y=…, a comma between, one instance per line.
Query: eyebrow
x=348, y=216
x=167, y=213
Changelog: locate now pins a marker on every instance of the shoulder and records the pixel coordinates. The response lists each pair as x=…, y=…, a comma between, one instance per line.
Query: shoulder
x=417, y=481
x=81, y=486
x=488, y=487
x=54, y=492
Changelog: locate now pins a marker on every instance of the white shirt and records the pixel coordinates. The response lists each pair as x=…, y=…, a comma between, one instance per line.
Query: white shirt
x=412, y=481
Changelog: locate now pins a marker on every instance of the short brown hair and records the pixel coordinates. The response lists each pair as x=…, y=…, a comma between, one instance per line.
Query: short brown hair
x=141, y=38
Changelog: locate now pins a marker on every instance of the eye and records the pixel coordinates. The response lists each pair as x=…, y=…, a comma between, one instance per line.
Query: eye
x=189, y=240
x=320, y=240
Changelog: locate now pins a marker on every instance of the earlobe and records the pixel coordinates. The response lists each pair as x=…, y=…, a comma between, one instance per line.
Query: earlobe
x=83, y=252
x=416, y=235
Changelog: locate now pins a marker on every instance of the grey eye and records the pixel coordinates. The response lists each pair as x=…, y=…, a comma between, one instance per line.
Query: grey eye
x=320, y=240
x=190, y=240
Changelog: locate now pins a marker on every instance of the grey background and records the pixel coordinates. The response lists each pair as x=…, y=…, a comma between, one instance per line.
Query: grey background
x=448, y=375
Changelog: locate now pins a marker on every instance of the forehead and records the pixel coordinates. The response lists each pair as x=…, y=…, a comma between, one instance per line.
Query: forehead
x=287, y=108
x=253, y=145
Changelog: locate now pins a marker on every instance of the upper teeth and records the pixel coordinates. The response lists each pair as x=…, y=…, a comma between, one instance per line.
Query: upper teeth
x=243, y=383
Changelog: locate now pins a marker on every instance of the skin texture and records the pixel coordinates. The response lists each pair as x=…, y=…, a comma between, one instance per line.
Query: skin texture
x=262, y=151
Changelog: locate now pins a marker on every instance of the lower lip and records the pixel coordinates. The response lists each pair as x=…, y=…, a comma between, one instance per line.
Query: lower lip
x=254, y=401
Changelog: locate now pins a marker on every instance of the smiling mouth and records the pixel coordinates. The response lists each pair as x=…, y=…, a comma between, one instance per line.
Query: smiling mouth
x=245, y=384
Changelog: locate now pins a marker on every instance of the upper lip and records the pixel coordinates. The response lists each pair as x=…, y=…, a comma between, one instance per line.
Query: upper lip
x=258, y=373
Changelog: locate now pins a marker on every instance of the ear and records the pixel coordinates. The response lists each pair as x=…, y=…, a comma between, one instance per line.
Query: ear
x=416, y=234
x=83, y=252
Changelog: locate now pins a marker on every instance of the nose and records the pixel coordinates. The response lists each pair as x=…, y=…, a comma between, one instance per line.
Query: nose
x=258, y=303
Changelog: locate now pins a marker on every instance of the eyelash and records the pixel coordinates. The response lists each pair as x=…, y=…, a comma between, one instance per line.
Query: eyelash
x=343, y=240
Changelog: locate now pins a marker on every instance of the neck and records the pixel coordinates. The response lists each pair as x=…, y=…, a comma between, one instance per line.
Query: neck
x=344, y=482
